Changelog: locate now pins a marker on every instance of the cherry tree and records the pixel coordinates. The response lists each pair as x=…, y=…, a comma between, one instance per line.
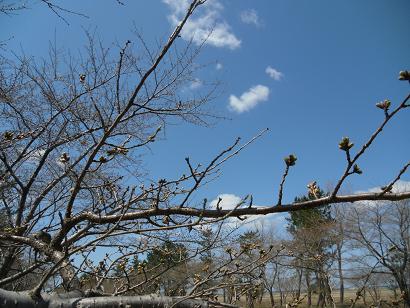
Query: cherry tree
x=71, y=186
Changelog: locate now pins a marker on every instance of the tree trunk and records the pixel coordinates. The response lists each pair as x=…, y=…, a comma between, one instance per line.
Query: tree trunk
x=329, y=295
x=341, y=280
x=321, y=298
x=261, y=294
x=300, y=275
x=309, y=290
x=8, y=261
x=404, y=289
x=281, y=298
x=272, y=298
x=250, y=300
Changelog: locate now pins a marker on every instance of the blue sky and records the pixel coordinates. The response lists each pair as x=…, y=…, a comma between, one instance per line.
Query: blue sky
x=310, y=71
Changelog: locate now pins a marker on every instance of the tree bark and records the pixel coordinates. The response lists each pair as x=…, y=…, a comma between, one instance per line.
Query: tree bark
x=8, y=261
x=74, y=299
x=309, y=290
x=300, y=275
x=341, y=278
x=272, y=298
x=404, y=289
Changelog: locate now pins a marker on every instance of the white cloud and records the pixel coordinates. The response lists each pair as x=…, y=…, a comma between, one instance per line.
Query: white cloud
x=401, y=186
x=219, y=66
x=250, y=17
x=249, y=99
x=195, y=84
x=273, y=73
x=267, y=222
x=228, y=201
x=398, y=187
x=206, y=26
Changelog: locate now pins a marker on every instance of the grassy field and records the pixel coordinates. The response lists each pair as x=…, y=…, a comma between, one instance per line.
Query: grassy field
x=385, y=294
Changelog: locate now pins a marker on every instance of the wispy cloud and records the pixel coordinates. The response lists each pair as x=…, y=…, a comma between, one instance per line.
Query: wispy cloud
x=206, y=26
x=273, y=73
x=249, y=99
x=250, y=17
x=195, y=84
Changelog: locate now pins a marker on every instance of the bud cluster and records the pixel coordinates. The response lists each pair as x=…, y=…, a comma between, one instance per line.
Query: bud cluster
x=290, y=160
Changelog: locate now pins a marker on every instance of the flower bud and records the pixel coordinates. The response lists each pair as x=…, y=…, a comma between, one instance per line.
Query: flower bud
x=345, y=144
x=165, y=220
x=102, y=160
x=404, y=75
x=384, y=105
x=290, y=160
x=8, y=135
x=64, y=158
x=357, y=170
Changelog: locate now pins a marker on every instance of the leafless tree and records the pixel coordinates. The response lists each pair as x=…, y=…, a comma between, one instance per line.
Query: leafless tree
x=339, y=216
x=383, y=230
x=71, y=184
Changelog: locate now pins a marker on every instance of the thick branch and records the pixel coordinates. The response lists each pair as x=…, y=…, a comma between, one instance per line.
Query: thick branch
x=101, y=219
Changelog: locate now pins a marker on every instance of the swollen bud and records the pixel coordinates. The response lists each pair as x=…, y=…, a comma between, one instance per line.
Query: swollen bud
x=345, y=144
x=165, y=220
x=388, y=189
x=102, y=160
x=64, y=158
x=290, y=160
x=356, y=169
x=404, y=75
x=313, y=190
x=8, y=135
x=384, y=105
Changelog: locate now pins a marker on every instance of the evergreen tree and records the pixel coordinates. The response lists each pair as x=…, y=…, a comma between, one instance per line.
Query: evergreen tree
x=310, y=217
x=169, y=254
x=170, y=259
